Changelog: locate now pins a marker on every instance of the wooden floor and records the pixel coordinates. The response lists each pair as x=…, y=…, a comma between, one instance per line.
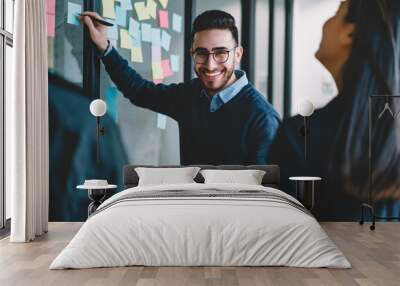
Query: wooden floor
x=375, y=257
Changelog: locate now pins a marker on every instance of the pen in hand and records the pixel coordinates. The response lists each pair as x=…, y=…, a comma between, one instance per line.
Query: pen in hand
x=102, y=22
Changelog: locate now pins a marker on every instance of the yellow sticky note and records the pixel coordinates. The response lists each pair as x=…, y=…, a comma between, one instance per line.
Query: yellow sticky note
x=152, y=8
x=164, y=3
x=137, y=55
x=126, y=42
x=157, y=70
x=141, y=11
x=109, y=9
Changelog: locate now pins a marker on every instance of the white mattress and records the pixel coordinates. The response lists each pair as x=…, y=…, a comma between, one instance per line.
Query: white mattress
x=200, y=231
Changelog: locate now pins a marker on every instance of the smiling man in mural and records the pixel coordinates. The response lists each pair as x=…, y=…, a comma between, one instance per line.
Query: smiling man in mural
x=222, y=118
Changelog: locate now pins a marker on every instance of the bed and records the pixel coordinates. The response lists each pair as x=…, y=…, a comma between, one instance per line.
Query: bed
x=198, y=224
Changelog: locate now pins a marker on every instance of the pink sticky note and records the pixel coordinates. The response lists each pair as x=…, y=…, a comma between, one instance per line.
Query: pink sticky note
x=157, y=81
x=51, y=6
x=51, y=26
x=166, y=68
x=163, y=15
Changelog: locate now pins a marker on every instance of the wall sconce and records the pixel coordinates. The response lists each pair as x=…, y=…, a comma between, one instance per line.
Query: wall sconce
x=305, y=109
x=98, y=108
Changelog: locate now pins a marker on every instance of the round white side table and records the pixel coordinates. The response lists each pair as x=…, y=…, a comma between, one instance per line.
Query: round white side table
x=96, y=194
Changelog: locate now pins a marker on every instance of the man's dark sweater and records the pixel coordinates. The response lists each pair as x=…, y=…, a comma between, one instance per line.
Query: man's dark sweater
x=239, y=132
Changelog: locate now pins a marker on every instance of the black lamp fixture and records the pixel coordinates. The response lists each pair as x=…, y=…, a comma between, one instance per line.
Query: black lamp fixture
x=305, y=109
x=98, y=108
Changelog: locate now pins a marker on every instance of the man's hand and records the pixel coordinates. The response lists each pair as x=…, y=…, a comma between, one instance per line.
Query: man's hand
x=98, y=32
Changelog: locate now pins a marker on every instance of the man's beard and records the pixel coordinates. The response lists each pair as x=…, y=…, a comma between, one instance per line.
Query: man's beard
x=222, y=79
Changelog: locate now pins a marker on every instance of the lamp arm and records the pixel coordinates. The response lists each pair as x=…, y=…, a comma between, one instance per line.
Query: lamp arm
x=305, y=138
x=97, y=139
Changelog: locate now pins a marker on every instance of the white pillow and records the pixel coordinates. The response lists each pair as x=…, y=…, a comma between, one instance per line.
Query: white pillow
x=248, y=177
x=164, y=176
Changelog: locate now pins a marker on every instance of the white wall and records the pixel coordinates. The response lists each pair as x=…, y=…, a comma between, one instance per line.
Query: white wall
x=310, y=79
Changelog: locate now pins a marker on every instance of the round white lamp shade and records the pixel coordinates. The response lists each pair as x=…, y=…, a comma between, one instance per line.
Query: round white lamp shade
x=98, y=107
x=305, y=108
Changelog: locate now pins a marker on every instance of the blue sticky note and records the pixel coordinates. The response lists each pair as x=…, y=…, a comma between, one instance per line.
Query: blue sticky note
x=156, y=36
x=120, y=15
x=112, y=102
x=146, y=32
x=126, y=4
x=165, y=40
x=137, y=42
x=155, y=53
x=161, y=121
x=175, y=63
x=73, y=11
x=177, y=23
x=134, y=28
x=112, y=32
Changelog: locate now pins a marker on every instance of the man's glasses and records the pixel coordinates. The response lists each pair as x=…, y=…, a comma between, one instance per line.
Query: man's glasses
x=220, y=56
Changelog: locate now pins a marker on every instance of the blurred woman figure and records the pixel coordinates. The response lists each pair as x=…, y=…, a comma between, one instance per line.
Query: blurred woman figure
x=360, y=47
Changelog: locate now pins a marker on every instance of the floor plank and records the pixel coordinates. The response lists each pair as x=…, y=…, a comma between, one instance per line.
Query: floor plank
x=374, y=255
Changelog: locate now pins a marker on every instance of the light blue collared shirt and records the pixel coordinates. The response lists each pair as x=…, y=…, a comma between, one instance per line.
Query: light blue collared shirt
x=222, y=97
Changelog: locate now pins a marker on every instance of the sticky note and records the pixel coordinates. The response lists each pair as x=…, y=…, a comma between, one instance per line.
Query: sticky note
x=136, y=42
x=163, y=16
x=174, y=63
x=120, y=16
x=126, y=41
x=157, y=70
x=177, y=23
x=134, y=28
x=164, y=3
x=51, y=7
x=146, y=32
x=155, y=53
x=112, y=32
x=156, y=36
x=165, y=40
x=161, y=121
x=137, y=55
x=51, y=25
x=166, y=68
x=141, y=11
x=73, y=11
x=151, y=8
x=112, y=102
x=126, y=5
x=108, y=9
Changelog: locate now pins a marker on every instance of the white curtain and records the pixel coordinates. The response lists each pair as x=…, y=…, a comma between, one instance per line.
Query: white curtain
x=27, y=148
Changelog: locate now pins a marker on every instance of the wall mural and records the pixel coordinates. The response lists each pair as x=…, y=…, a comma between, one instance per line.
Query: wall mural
x=150, y=35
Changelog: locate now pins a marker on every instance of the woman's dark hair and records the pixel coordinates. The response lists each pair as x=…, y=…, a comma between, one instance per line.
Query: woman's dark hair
x=372, y=69
x=215, y=19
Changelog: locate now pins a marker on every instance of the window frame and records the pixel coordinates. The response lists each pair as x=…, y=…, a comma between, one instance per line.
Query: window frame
x=6, y=39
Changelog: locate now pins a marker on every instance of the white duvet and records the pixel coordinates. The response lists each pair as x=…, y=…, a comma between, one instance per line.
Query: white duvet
x=200, y=231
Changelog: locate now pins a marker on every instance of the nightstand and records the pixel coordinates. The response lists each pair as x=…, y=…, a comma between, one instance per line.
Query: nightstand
x=305, y=190
x=96, y=194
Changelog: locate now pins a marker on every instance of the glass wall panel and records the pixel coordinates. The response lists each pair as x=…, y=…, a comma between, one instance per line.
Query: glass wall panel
x=9, y=15
x=65, y=40
x=1, y=14
x=8, y=74
x=148, y=137
x=261, y=46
